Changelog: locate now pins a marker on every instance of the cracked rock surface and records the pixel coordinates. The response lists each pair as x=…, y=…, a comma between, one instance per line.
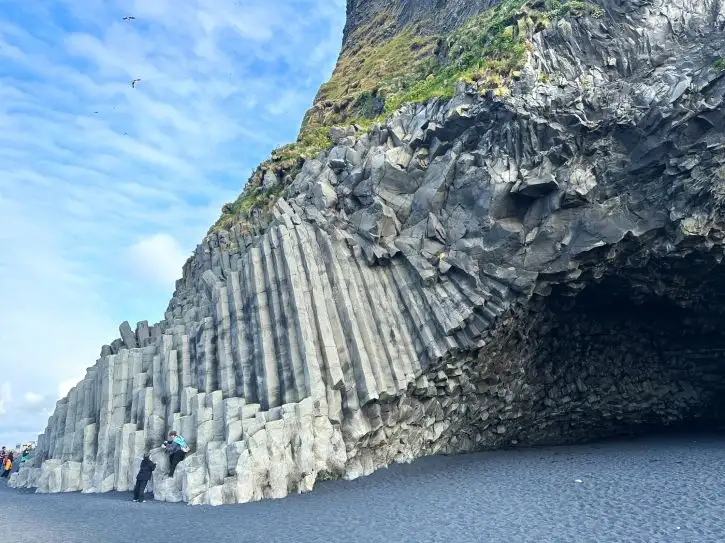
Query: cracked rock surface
x=437, y=284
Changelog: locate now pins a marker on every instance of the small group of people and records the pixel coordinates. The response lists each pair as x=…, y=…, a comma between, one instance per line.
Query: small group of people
x=176, y=447
x=6, y=461
x=9, y=456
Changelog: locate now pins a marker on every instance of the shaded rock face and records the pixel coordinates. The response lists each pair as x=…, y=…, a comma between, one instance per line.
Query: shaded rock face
x=480, y=273
x=578, y=369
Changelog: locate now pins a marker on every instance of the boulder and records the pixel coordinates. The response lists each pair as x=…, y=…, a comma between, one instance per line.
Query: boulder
x=376, y=222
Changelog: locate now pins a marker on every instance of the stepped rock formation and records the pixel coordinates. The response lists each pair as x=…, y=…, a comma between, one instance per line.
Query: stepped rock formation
x=480, y=272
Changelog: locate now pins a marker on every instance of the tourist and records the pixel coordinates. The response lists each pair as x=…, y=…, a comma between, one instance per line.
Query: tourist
x=25, y=456
x=176, y=448
x=7, y=465
x=142, y=479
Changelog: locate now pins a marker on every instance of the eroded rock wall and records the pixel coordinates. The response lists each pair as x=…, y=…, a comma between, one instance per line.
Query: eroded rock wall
x=395, y=305
x=262, y=355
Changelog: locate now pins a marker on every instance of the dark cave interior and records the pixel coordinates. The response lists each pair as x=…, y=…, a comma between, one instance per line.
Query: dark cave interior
x=637, y=352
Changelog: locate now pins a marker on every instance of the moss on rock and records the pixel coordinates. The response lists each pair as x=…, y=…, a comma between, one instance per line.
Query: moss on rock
x=387, y=68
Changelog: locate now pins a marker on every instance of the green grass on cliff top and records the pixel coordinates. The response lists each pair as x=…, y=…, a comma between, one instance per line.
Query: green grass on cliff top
x=383, y=70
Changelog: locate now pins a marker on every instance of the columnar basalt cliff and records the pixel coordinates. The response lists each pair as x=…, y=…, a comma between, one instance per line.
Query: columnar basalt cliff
x=537, y=261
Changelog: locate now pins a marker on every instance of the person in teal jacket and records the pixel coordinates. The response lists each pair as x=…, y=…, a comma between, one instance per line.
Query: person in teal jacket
x=176, y=447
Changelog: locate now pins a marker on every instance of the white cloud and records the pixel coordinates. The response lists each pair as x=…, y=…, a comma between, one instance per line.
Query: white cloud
x=64, y=387
x=157, y=258
x=94, y=173
x=32, y=400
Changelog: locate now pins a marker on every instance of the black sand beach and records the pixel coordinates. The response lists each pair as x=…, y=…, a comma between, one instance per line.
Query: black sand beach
x=651, y=489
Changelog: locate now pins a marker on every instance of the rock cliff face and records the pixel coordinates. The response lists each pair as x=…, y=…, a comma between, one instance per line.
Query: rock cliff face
x=434, y=16
x=537, y=266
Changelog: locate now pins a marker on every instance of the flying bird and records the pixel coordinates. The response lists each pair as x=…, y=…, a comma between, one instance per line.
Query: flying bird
x=133, y=83
x=129, y=18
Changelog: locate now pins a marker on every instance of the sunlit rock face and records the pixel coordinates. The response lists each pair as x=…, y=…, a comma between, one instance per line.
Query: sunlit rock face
x=484, y=272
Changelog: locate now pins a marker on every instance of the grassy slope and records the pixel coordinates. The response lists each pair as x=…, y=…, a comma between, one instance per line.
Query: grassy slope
x=386, y=70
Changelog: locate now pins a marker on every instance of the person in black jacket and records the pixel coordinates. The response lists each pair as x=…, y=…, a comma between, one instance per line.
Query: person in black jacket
x=142, y=479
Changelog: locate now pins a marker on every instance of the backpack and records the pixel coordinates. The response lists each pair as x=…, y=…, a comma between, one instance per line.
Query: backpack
x=8, y=464
x=183, y=445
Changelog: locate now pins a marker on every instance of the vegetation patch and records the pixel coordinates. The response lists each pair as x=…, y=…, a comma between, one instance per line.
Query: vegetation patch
x=386, y=68
x=285, y=163
x=489, y=49
x=719, y=64
x=376, y=77
x=379, y=64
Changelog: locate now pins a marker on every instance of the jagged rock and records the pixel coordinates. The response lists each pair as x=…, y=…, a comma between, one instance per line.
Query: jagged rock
x=270, y=180
x=116, y=345
x=142, y=333
x=323, y=195
x=337, y=133
x=430, y=196
x=435, y=229
x=476, y=273
x=387, y=178
x=376, y=222
x=310, y=172
x=538, y=183
x=127, y=335
x=343, y=158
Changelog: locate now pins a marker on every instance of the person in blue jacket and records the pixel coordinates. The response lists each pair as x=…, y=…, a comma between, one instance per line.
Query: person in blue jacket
x=176, y=448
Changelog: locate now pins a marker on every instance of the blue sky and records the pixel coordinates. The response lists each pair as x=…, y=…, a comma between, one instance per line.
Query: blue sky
x=106, y=189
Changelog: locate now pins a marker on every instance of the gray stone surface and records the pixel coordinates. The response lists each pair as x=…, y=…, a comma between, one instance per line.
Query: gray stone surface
x=127, y=335
x=399, y=302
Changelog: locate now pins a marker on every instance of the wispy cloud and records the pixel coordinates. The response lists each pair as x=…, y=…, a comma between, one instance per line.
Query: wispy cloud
x=105, y=189
x=65, y=386
x=157, y=258
x=32, y=400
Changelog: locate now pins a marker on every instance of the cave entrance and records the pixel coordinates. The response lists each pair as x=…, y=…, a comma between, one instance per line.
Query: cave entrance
x=634, y=353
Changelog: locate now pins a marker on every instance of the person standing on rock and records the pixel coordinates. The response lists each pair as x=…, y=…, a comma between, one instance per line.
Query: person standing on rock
x=142, y=479
x=176, y=448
